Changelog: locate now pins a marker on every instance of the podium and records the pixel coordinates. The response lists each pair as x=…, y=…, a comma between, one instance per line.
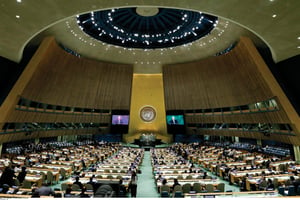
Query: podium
x=147, y=140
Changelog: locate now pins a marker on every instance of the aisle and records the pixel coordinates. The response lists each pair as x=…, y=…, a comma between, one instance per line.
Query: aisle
x=146, y=184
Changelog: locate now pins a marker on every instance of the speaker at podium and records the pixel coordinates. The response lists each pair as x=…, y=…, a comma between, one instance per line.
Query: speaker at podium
x=147, y=140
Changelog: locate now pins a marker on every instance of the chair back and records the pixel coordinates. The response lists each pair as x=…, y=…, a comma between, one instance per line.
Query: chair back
x=281, y=190
x=16, y=182
x=119, y=177
x=109, y=177
x=186, y=188
x=164, y=194
x=64, y=186
x=165, y=188
x=210, y=188
x=89, y=187
x=197, y=187
x=76, y=187
x=221, y=187
x=49, y=177
x=298, y=190
x=177, y=188
x=63, y=173
x=26, y=184
x=263, y=185
x=189, y=177
x=291, y=190
x=177, y=194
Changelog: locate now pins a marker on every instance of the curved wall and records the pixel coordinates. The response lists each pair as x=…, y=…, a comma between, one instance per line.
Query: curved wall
x=222, y=81
x=63, y=79
x=237, y=78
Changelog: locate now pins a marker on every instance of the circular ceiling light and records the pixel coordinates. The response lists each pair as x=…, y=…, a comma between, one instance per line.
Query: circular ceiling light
x=147, y=27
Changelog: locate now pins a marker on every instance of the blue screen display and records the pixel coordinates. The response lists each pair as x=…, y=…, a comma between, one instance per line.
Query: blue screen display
x=120, y=119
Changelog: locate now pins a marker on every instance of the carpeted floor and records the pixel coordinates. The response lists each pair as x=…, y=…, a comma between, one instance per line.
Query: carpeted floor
x=146, y=183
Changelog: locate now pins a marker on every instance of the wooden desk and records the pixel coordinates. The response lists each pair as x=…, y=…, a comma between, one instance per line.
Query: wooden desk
x=105, y=175
x=294, y=168
x=39, y=170
x=34, y=179
x=239, y=195
x=184, y=175
x=281, y=179
x=275, y=165
x=203, y=182
x=236, y=176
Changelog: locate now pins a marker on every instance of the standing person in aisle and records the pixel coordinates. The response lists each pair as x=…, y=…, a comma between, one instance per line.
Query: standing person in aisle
x=133, y=184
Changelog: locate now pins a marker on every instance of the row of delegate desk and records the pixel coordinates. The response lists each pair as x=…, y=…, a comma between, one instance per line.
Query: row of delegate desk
x=242, y=167
x=182, y=174
x=110, y=171
x=37, y=172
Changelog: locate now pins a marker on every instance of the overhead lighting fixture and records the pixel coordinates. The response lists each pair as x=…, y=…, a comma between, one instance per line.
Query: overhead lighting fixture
x=19, y=1
x=17, y=16
x=134, y=36
x=274, y=15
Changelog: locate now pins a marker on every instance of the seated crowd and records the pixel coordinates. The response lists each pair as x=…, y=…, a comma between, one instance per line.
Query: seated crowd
x=102, y=169
x=248, y=169
x=86, y=169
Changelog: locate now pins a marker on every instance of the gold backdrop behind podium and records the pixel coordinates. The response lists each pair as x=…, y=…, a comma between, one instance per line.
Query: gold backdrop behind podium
x=147, y=90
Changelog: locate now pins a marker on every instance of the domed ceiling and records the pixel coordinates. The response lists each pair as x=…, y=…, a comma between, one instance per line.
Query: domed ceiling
x=146, y=36
x=146, y=27
x=268, y=22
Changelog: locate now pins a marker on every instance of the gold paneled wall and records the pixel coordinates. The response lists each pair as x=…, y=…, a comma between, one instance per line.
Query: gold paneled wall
x=147, y=90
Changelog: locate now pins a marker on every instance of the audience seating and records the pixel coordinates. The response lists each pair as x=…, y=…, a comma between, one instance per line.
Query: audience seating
x=197, y=187
x=210, y=188
x=221, y=187
x=186, y=188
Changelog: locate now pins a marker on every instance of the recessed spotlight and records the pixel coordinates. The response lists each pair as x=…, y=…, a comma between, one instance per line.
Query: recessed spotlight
x=274, y=15
x=17, y=16
x=298, y=38
x=19, y=1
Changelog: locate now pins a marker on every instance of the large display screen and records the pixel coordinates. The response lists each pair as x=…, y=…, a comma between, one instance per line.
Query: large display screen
x=175, y=120
x=120, y=119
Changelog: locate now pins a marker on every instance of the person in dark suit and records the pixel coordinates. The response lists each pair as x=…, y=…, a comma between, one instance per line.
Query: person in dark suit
x=270, y=185
x=7, y=177
x=78, y=182
x=122, y=189
x=175, y=183
x=133, y=184
x=91, y=182
x=22, y=174
x=173, y=120
x=83, y=194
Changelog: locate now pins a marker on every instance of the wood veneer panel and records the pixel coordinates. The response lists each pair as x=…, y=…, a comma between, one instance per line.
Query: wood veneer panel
x=42, y=134
x=66, y=80
x=24, y=116
x=223, y=81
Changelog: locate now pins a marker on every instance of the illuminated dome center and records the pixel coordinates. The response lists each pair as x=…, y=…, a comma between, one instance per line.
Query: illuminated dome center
x=147, y=27
x=147, y=11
